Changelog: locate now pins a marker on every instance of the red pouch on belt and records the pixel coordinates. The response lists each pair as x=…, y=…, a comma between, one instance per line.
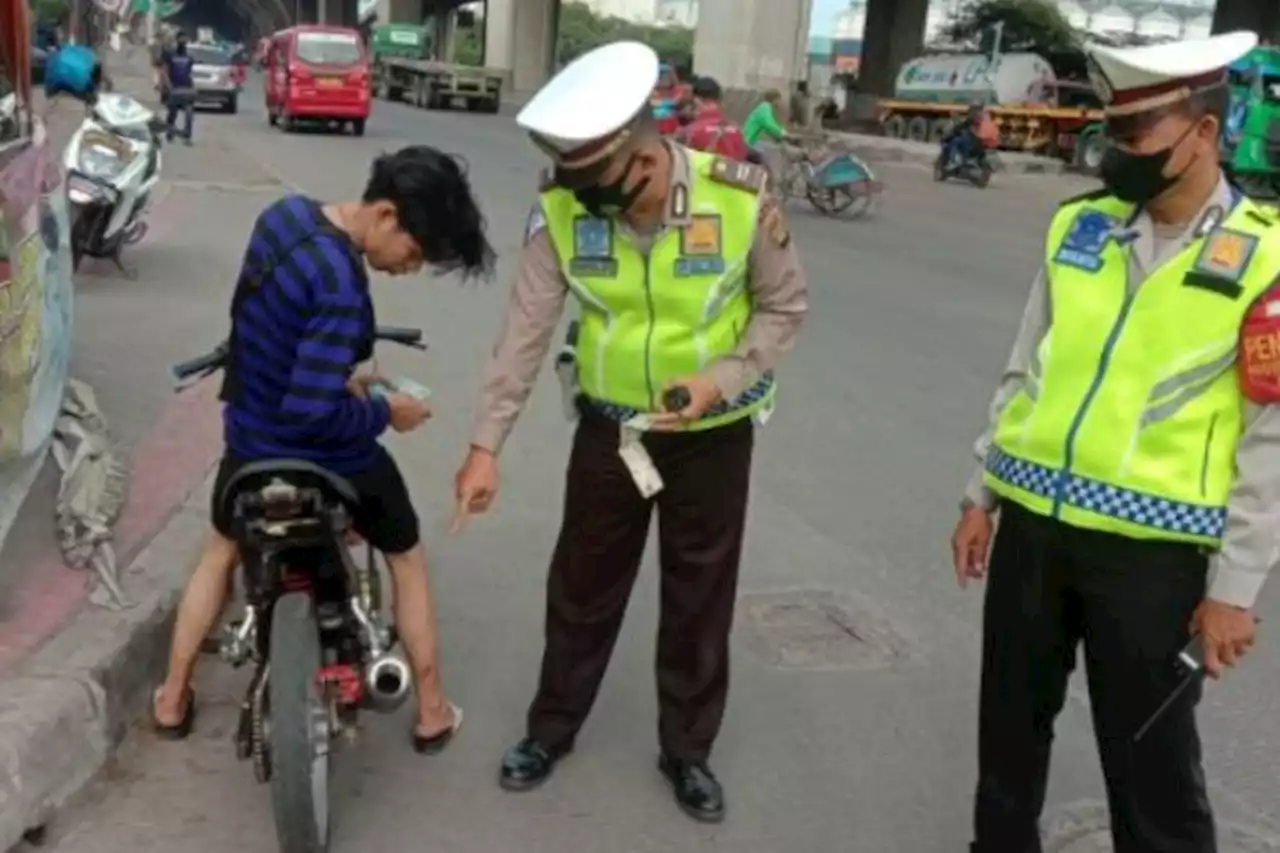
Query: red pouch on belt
x=1259, y=361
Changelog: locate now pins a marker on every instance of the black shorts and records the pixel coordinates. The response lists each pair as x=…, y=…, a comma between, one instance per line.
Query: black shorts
x=385, y=517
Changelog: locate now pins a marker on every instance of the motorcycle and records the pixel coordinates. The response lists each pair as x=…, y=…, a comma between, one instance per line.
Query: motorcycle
x=112, y=164
x=314, y=625
x=953, y=162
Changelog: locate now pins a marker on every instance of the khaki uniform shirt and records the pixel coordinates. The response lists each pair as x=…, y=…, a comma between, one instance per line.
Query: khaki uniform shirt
x=1252, y=537
x=776, y=283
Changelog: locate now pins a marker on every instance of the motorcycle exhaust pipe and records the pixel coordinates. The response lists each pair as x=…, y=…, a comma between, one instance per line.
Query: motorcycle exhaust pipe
x=387, y=682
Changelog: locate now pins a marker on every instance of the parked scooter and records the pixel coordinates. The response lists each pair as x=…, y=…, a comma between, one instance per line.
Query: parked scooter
x=112, y=164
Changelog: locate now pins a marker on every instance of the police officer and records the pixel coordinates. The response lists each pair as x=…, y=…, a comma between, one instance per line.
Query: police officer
x=1134, y=456
x=687, y=281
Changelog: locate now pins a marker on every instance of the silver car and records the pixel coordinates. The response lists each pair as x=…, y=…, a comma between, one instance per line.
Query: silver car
x=213, y=74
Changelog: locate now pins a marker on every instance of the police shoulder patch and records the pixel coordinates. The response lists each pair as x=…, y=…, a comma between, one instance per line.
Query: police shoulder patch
x=1258, y=361
x=743, y=176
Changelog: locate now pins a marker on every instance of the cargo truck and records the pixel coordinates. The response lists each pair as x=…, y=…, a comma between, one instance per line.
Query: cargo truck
x=405, y=69
x=1036, y=110
x=1251, y=133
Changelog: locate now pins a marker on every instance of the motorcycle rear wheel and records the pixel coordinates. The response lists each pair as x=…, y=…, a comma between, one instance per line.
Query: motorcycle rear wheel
x=299, y=734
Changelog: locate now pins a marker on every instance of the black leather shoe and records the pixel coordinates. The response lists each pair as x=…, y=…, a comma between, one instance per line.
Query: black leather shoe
x=527, y=765
x=698, y=792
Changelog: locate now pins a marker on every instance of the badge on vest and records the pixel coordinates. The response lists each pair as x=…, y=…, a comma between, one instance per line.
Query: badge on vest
x=701, y=247
x=1082, y=247
x=1223, y=260
x=593, y=248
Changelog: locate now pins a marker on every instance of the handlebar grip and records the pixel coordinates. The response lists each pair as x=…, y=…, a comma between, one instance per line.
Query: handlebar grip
x=400, y=335
x=208, y=362
x=676, y=399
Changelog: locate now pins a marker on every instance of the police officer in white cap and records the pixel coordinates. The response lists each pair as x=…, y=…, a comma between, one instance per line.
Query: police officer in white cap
x=1133, y=456
x=690, y=293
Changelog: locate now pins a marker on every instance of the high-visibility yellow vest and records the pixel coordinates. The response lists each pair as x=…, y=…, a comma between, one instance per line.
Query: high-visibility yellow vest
x=1130, y=417
x=648, y=318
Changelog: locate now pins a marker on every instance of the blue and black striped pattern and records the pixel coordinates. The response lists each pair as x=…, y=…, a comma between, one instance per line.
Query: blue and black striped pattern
x=301, y=321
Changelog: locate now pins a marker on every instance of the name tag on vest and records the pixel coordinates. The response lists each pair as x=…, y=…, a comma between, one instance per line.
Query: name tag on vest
x=1082, y=247
x=691, y=267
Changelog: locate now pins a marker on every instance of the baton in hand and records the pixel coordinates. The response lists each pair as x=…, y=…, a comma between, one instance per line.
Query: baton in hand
x=676, y=399
x=1191, y=663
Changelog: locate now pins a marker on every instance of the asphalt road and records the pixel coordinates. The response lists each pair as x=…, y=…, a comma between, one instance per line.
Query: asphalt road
x=830, y=743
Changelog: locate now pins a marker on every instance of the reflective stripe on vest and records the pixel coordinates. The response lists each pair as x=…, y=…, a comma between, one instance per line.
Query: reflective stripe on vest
x=648, y=318
x=1129, y=418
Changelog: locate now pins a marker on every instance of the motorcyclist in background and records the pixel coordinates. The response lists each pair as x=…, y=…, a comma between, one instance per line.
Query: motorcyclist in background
x=969, y=137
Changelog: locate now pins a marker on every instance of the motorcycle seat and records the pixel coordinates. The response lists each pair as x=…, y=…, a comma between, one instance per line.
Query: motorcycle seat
x=296, y=472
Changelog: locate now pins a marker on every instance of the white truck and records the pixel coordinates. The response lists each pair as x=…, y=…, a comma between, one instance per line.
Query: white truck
x=1035, y=110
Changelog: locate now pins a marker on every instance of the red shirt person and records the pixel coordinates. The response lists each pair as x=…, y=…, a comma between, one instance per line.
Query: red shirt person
x=710, y=131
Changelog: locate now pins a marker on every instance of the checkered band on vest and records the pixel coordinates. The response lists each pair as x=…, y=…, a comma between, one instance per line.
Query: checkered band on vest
x=1105, y=499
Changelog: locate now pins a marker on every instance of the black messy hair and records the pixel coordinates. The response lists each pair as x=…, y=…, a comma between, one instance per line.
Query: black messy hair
x=435, y=206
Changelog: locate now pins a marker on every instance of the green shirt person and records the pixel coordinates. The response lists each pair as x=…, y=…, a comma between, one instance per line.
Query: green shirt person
x=762, y=122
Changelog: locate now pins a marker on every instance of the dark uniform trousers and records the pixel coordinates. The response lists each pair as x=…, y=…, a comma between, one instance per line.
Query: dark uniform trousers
x=1050, y=588
x=701, y=516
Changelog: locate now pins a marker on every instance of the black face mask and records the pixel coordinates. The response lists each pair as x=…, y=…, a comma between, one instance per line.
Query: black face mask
x=612, y=199
x=1140, y=178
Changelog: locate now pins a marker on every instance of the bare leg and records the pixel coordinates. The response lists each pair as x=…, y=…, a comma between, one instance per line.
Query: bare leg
x=202, y=602
x=416, y=624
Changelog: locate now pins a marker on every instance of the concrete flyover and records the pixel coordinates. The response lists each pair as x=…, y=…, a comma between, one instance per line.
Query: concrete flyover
x=748, y=45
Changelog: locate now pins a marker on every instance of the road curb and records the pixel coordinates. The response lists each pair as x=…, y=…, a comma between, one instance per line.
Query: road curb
x=66, y=708
x=877, y=149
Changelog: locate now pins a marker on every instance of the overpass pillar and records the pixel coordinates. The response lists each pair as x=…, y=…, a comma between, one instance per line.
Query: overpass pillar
x=894, y=33
x=1261, y=16
x=749, y=46
x=341, y=13
x=400, y=12
x=520, y=38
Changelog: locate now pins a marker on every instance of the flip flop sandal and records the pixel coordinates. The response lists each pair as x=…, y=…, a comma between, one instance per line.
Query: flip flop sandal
x=435, y=744
x=181, y=730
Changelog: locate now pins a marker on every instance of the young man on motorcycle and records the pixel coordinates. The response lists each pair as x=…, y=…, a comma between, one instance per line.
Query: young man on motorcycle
x=301, y=320
x=709, y=130
x=968, y=138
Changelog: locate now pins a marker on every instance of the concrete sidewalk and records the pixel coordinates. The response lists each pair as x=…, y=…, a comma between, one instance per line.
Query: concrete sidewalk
x=74, y=677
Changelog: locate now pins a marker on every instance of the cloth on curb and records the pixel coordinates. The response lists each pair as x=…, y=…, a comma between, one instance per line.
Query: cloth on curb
x=92, y=492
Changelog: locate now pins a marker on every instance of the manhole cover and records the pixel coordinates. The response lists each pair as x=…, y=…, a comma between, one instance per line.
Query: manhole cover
x=1086, y=829
x=818, y=629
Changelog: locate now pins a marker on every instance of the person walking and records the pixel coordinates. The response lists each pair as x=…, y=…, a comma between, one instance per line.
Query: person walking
x=177, y=88
x=1133, y=456
x=690, y=292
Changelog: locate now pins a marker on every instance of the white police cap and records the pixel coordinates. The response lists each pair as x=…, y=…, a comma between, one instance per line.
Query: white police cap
x=1133, y=80
x=584, y=113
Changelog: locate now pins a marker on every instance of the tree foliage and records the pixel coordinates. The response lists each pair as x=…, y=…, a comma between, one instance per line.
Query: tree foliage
x=581, y=30
x=1031, y=25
